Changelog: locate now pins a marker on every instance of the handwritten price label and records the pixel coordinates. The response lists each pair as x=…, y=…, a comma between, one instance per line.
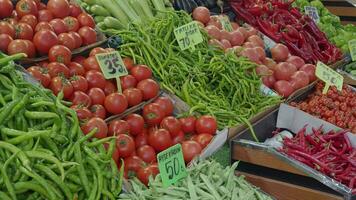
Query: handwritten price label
x=111, y=64
x=352, y=46
x=329, y=76
x=171, y=165
x=225, y=22
x=312, y=12
x=188, y=35
x=269, y=43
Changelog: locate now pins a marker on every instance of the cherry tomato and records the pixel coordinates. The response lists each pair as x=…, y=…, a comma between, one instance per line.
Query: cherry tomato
x=115, y=103
x=153, y=114
x=85, y=19
x=203, y=139
x=30, y=20
x=136, y=123
x=4, y=42
x=179, y=138
x=76, y=69
x=23, y=31
x=160, y=139
x=132, y=165
x=67, y=40
x=98, y=123
x=98, y=111
x=77, y=38
x=88, y=35
x=59, y=8
x=118, y=126
x=97, y=96
x=71, y=23
x=128, y=62
x=20, y=46
x=95, y=79
x=188, y=124
x=149, y=88
x=40, y=74
x=56, y=69
x=6, y=8
x=147, y=154
x=44, y=16
x=44, y=40
x=43, y=26
x=60, y=83
x=91, y=64
x=127, y=81
x=206, y=124
x=172, y=125
x=82, y=112
x=133, y=96
x=109, y=88
x=60, y=53
x=141, y=138
x=58, y=25
x=26, y=7
x=166, y=104
x=75, y=10
x=141, y=72
x=79, y=59
x=96, y=50
x=144, y=174
x=190, y=149
x=80, y=98
x=7, y=28
x=125, y=144
x=79, y=83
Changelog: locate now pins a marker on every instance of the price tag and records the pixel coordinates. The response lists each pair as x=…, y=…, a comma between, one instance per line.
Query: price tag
x=312, y=12
x=267, y=91
x=225, y=22
x=329, y=76
x=269, y=43
x=188, y=35
x=352, y=46
x=171, y=165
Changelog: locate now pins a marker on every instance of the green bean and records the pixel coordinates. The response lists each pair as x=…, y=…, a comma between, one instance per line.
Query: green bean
x=22, y=187
x=4, y=196
x=100, y=180
x=27, y=136
x=40, y=115
x=20, y=154
x=5, y=177
x=81, y=171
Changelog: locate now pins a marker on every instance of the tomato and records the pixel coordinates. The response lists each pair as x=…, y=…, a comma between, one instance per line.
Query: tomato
x=26, y=7
x=125, y=144
x=144, y=174
x=80, y=98
x=82, y=112
x=60, y=53
x=56, y=68
x=60, y=83
x=136, y=123
x=40, y=75
x=118, y=126
x=160, y=139
x=141, y=138
x=43, y=64
x=116, y=156
x=166, y=104
x=77, y=38
x=44, y=40
x=79, y=83
x=98, y=123
x=98, y=111
x=66, y=40
x=153, y=114
x=190, y=150
x=109, y=88
x=7, y=28
x=76, y=69
x=141, y=72
x=43, y=26
x=97, y=96
x=20, y=46
x=88, y=35
x=128, y=62
x=71, y=23
x=75, y=10
x=58, y=25
x=133, y=96
x=30, y=20
x=31, y=49
x=44, y=16
x=172, y=125
x=203, y=139
x=95, y=79
x=59, y=8
x=147, y=153
x=188, y=124
x=11, y=21
x=6, y=8
x=154, y=168
x=79, y=59
x=97, y=50
x=206, y=124
x=179, y=138
x=132, y=165
x=115, y=103
x=149, y=88
x=127, y=81
x=91, y=64
x=23, y=31
x=85, y=19
x=4, y=42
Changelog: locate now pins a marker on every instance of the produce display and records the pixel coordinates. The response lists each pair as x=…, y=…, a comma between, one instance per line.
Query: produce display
x=351, y=68
x=34, y=28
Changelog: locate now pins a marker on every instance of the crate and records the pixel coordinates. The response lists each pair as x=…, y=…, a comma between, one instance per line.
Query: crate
x=345, y=9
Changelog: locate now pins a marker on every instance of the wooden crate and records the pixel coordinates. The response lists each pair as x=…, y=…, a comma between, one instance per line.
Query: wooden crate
x=345, y=9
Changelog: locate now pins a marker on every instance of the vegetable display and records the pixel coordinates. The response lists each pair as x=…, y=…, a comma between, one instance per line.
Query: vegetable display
x=43, y=152
x=351, y=68
x=206, y=180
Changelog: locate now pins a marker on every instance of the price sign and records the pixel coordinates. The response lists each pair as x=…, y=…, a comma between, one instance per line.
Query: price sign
x=329, y=76
x=171, y=165
x=188, y=35
x=352, y=46
x=267, y=91
x=269, y=43
x=225, y=22
x=312, y=12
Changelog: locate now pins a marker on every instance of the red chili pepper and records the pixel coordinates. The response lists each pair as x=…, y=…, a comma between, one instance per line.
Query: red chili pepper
x=291, y=31
x=241, y=12
x=286, y=37
x=256, y=10
x=267, y=30
x=295, y=12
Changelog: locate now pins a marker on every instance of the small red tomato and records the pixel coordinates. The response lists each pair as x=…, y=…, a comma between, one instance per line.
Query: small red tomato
x=132, y=164
x=67, y=40
x=80, y=98
x=109, y=88
x=166, y=104
x=4, y=42
x=133, y=96
x=77, y=38
x=79, y=59
x=97, y=50
x=141, y=138
x=60, y=53
x=128, y=62
x=149, y=88
x=40, y=75
x=160, y=139
x=88, y=35
x=30, y=20
x=79, y=83
x=56, y=68
x=91, y=64
x=116, y=103
x=95, y=122
x=76, y=69
x=61, y=83
x=125, y=144
x=58, y=25
x=203, y=139
x=179, y=138
x=75, y=10
x=44, y=16
x=136, y=123
x=141, y=72
x=71, y=23
x=97, y=96
x=82, y=112
x=43, y=26
x=147, y=154
x=153, y=114
x=191, y=149
x=98, y=111
x=188, y=124
x=171, y=124
x=95, y=79
x=127, y=81
x=144, y=174
x=118, y=126
x=206, y=124
x=85, y=19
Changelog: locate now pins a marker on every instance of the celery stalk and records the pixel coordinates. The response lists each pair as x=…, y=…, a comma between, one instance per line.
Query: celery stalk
x=146, y=8
x=130, y=13
x=159, y=5
x=115, y=11
x=135, y=5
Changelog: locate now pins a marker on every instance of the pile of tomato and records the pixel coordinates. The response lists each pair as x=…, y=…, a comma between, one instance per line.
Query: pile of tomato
x=33, y=28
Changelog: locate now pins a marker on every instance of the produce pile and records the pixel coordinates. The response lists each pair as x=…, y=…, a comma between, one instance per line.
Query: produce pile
x=338, y=108
x=351, y=68
x=44, y=154
x=34, y=28
x=330, y=153
x=285, y=24
x=206, y=180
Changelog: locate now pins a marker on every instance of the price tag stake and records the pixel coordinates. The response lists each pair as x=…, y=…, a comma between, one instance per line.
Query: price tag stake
x=329, y=76
x=352, y=47
x=188, y=36
x=225, y=22
x=312, y=12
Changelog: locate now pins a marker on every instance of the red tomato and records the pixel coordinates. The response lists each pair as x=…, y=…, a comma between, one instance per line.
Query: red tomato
x=109, y=88
x=127, y=81
x=79, y=83
x=76, y=69
x=71, y=23
x=40, y=75
x=128, y=62
x=154, y=168
x=80, y=98
x=26, y=7
x=58, y=25
x=44, y=40
x=97, y=96
x=4, y=42
x=95, y=79
x=190, y=150
x=115, y=103
x=160, y=139
x=149, y=88
x=133, y=96
x=85, y=19
x=206, y=124
x=43, y=26
x=172, y=125
x=96, y=50
x=141, y=138
x=136, y=123
x=75, y=10
x=66, y=40
x=7, y=28
x=118, y=126
x=141, y=72
x=77, y=38
x=91, y=64
x=116, y=156
x=60, y=83
x=166, y=104
x=179, y=138
x=88, y=35
x=203, y=139
x=147, y=154
x=59, y=8
x=56, y=68
x=60, y=53
x=125, y=144
x=20, y=46
x=188, y=124
x=79, y=59
x=43, y=64
x=31, y=49
x=144, y=174
x=132, y=165
x=98, y=111
x=82, y=112
x=6, y=8
x=98, y=123
x=44, y=16
x=153, y=114
x=23, y=31
x=30, y=20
